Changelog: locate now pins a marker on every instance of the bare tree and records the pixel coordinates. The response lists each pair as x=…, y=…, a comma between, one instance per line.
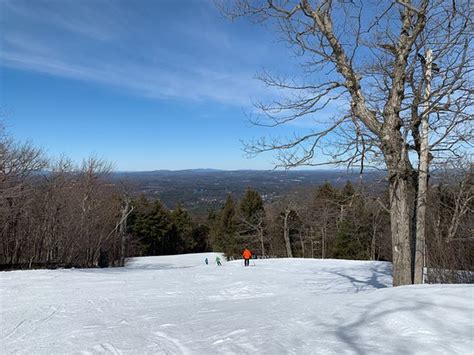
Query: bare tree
x=449, y=251
x=127, y=209
x=319, y=215
x=252, y=229
x=286, y=230
x=250, y=219
x=53, y=213
x=18, y=162
x=19, y=166
x=378, y=221
x=283, y=223
x=369, y=57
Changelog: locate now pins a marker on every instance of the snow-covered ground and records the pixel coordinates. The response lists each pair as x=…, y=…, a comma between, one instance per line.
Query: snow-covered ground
x=178, y=305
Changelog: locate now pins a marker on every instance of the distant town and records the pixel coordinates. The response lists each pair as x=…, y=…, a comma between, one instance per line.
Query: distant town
x=201, y=189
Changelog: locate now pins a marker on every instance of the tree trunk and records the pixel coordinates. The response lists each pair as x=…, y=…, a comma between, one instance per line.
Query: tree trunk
x=373, y=243
x=286, y=233
x=123, y=230
x=423, y=165
x=400, y=227
x=302, y=245
x=262, y=244
x=323, y=242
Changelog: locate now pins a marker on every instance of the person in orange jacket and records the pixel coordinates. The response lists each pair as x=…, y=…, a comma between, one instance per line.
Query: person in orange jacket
x=247, y=254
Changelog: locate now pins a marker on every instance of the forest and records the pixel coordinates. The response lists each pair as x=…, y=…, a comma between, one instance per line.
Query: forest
x=56, y=214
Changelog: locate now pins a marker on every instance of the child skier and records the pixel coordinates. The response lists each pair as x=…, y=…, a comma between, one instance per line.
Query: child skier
x=247, y=254
x=218, y=261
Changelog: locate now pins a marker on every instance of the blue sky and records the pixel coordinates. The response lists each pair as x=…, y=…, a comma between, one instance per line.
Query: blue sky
x=145, y=84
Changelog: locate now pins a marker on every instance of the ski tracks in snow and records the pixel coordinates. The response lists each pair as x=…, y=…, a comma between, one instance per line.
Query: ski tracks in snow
x=33, y=326
x=172, y=345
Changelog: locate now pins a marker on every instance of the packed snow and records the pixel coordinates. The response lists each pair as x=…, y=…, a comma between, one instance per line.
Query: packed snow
x=179, y=305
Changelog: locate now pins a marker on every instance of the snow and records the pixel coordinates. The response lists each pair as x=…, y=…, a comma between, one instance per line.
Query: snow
x=179, y=305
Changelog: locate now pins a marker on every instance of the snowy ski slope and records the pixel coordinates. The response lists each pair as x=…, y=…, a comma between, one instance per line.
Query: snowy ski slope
x=178, y=305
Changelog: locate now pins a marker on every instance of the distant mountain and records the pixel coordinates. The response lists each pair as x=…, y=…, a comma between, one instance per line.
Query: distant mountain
x=199, y=189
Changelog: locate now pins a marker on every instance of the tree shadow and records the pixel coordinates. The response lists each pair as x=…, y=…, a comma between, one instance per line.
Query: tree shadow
x=357, y=338
x=377, y=271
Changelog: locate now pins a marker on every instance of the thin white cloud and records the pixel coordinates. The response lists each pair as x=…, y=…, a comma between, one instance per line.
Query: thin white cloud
x=143, y=80
x=146, y=66
x=141, y=51
x=78, y=17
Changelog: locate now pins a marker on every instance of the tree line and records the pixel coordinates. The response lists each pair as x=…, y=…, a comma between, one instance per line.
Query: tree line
x=53, y=213
x=351, y=223
x=323, y=222
x=58, y=214
x=160, y=231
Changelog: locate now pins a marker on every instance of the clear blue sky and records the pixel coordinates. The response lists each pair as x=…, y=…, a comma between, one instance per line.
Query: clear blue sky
x=145, y=84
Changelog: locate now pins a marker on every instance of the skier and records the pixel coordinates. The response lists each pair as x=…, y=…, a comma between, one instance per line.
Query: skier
x=247, y=254
x=206, y=261
x=218, y=261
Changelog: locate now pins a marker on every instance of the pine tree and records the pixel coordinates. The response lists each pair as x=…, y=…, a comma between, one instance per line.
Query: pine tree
x=251, y=206
x=151, y=223
x=200, y=237
x=326, y=191
x=225, y=230
x=180, y=238
x=348, y=190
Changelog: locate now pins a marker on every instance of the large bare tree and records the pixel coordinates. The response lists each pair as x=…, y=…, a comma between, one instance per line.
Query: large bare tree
x=387, y=83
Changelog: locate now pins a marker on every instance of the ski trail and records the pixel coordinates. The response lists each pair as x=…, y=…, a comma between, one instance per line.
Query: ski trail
x=281, y=307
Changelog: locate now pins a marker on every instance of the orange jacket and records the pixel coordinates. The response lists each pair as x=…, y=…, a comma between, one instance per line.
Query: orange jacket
x=247, y=254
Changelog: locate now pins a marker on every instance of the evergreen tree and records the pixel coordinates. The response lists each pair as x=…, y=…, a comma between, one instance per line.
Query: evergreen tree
x=200, y=238
x=251, y=220
x=325, y=213
x=213, y=223
x=251, y=206
x=180, y=236
x=326, y=191
x=348, y=190
x=151, y=223
x=225, y=237
x=353, y=235
x=350, y=243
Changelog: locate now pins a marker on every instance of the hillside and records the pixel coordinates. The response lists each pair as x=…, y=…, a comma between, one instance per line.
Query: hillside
x=200, y=189
x=178, y=305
